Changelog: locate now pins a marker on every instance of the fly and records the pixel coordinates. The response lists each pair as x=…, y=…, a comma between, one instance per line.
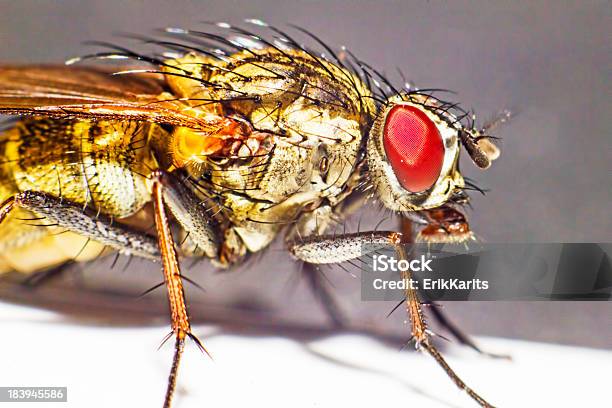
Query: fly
x=240, y=137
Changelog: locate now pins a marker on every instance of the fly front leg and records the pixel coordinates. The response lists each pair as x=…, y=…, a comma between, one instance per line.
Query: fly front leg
x=421, y=335
x=446, y=225
x=334, y=249
x=312, y=224
x=329, y=249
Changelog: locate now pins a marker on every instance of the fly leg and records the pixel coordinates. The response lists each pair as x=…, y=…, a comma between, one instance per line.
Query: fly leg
x=100, y=228
x=37, y=279
x=328, y=249
x=181, y=327
x=72, y=217
x=421, y=335
x=331, y=249
x=320, y=288
x=197, y=215
x=446, y=224
x=311, y=224
x=195, y=218
x=458, y=334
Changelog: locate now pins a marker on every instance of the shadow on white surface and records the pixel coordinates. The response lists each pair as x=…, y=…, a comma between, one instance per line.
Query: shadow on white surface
x=121, y=367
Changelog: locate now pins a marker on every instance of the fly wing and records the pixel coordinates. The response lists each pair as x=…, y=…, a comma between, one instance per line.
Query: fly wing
x=91, y=93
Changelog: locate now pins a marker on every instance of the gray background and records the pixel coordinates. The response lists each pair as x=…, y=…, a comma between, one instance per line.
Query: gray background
x=550, y=60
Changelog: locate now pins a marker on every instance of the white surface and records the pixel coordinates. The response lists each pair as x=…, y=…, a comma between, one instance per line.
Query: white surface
x=121, y=367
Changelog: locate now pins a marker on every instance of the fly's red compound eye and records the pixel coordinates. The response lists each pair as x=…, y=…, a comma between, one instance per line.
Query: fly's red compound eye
x=414, y=148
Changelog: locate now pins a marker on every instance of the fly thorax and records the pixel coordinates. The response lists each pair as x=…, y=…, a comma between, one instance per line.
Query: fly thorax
x=315, y=150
